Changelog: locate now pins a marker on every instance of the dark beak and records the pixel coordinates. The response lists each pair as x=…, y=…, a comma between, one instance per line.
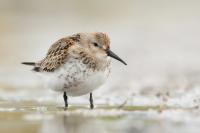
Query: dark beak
x=113, y=55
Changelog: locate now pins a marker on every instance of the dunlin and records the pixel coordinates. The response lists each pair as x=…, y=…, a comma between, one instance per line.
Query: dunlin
x=77, y=64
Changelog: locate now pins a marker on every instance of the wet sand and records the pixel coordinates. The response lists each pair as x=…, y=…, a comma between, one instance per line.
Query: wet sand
x=37, y=118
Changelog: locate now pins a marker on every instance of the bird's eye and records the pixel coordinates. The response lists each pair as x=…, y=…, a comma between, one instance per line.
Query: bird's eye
x=95, y=44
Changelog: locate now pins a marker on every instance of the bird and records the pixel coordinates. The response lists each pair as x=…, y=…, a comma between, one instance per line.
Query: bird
x=76, y=65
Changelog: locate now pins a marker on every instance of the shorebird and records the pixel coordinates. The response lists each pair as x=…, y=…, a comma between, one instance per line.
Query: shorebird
x=77, y=64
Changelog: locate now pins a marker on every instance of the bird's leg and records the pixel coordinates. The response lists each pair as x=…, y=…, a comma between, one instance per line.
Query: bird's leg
x=65, y=99
x=91, y=102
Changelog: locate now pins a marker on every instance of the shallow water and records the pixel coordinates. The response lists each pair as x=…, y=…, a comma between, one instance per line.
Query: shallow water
x=49, y=118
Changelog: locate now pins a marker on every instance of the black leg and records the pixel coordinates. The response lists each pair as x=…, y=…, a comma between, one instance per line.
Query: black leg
x=65, y=100
x=91, y=102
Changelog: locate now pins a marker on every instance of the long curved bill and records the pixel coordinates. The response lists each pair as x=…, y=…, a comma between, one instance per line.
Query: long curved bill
x=113, y=55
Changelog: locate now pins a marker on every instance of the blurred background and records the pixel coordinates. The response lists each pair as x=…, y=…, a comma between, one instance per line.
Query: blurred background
x=158, y=39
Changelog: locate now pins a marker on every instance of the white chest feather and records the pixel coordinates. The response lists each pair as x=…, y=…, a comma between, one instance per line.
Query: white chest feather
x=76, y=78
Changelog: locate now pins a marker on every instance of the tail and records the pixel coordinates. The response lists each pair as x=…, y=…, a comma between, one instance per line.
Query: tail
x=29, y=63
x=36, y=68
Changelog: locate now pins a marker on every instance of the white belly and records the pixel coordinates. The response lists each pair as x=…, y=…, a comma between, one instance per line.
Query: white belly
x=88, y=85
x=75, y=78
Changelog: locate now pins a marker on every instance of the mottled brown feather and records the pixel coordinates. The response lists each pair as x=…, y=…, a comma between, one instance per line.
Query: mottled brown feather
x=57, y=54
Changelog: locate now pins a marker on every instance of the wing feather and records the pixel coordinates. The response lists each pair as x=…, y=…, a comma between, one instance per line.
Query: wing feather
x=56, y=55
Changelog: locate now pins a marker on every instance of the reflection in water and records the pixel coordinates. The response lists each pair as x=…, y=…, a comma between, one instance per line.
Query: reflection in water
x=82, y=124
x=72, y=124
x=31, y=120
x=134, y=122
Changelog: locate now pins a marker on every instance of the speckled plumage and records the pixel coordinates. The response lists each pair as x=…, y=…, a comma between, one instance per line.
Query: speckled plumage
x=70, y=62
x=57, y=55
x=77, y=64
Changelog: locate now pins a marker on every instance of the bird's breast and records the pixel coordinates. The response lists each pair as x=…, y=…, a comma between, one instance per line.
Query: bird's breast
x=77, y=78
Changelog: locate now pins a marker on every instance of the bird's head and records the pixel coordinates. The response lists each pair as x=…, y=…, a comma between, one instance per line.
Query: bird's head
x=99, y=44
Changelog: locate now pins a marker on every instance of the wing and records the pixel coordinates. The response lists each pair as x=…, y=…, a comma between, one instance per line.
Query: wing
x=57, y=55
